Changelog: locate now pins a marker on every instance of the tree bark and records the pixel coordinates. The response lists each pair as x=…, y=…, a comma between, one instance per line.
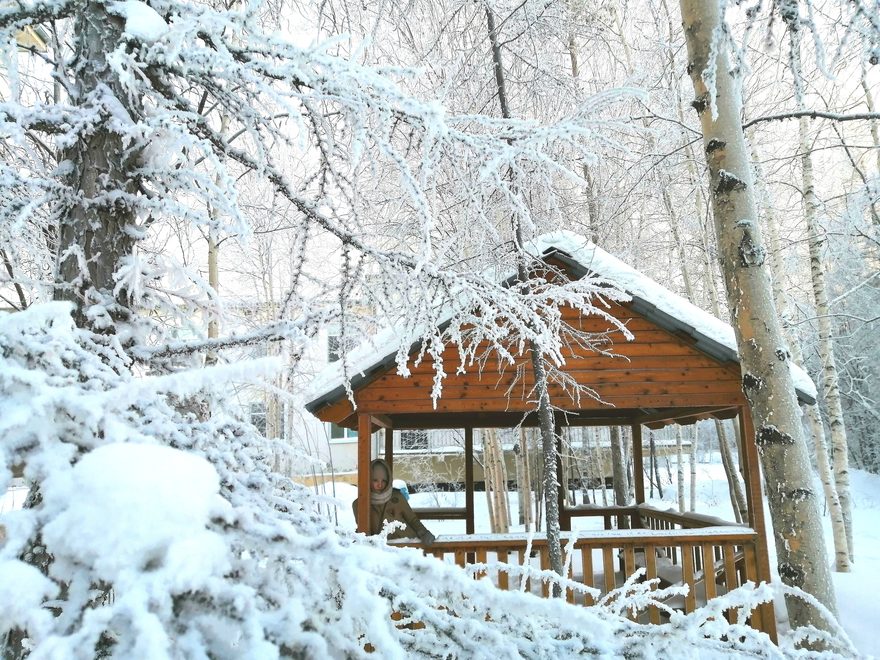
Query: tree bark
x=98, y=226
x=830, y=386
x=767, y=379
x=734, y=483
x=812, y=413
x=679, y=469
x=539, y=369
x=618, y=467
x=693, y=466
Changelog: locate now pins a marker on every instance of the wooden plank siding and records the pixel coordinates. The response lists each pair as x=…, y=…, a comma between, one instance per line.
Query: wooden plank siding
x=658, y=369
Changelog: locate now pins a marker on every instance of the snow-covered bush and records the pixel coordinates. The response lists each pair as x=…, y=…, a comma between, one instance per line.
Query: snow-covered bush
x=151, y=532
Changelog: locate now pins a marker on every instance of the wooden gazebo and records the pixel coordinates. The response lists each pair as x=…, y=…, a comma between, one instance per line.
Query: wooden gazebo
x=681, y=367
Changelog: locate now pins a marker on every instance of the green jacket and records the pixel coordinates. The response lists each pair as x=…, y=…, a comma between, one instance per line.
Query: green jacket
x=396, y=508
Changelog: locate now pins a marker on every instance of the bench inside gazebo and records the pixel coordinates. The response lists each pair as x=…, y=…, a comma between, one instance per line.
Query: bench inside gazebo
x=680, y=368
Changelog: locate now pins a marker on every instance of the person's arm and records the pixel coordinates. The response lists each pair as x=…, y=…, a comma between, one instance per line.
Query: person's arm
x=354, y=508
x=411, y=519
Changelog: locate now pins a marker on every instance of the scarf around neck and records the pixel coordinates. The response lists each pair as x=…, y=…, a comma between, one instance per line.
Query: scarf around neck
x=385, y=495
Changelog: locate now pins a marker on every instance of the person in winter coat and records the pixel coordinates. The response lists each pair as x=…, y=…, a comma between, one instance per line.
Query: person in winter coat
x=388, y=504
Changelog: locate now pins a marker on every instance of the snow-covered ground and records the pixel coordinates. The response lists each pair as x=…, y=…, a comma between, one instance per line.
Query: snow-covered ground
x=855, y=591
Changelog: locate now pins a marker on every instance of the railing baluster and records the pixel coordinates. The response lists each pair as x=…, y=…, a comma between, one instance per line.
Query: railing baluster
x=629, y=567
x=687, y=576
x=587, y=561
x=608, y=567
x=730, y=581
x=709, y=571
x=545, y=565
x=503, y=577
x=481, y=559
x=650, y=574
x=751, y=573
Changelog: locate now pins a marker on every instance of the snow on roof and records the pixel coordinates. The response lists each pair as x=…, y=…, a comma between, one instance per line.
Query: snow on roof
x=649, y=298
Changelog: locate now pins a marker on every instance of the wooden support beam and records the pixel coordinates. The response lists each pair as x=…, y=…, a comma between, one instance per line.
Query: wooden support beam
x=752, y=475
x=389, y=447
x=638, y=467
x=670, y=415
x=382, y=421
x=365, y=457
x=469, y=479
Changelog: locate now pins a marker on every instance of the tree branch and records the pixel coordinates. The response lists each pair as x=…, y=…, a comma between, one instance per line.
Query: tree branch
x=814, y=114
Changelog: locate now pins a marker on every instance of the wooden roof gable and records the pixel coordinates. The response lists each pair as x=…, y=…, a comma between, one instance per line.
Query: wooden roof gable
x=680, y=357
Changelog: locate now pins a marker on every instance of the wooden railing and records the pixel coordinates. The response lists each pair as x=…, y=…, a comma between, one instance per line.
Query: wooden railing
x=711, y=560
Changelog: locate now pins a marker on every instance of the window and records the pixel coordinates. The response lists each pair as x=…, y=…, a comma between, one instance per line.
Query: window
x=341, y=433
x=414, y=440
x=257, y=414
x=333, y=348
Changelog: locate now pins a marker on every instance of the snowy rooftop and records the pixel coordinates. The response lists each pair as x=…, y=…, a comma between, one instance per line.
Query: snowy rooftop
x=657, y=303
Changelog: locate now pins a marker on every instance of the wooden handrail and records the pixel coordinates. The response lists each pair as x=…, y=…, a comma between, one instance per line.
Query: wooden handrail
x=641, y=512
x=441, y=513
x=686, y=520
x=595, y=538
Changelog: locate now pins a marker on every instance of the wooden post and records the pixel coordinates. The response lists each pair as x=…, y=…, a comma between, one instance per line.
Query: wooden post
x=389, y=447
x=752, y=475
x=365, y=427
x=469, y=479
x=638, y=467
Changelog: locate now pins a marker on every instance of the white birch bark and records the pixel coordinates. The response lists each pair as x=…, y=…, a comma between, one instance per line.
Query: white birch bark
x=875, y=139
x=767, y=380
x=814, y=419
x=734, y=483
x=735, y=487
x=830, y=387
x=693, y=466
x=679, y=470
x=618, y=467
x=528, y=518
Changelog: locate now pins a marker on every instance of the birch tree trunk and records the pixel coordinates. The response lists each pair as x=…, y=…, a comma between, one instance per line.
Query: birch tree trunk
x=679, y=469
x=830, y=387
x=487, y=478
x=590, y=187
x=814, y=418
x=767, y=380
x=527, y=471
x=734, y=484
x=875, y=139
x=655, y=470
x=618, y=468
x=693, y=465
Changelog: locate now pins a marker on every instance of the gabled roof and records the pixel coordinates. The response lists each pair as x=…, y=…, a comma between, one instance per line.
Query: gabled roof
x=656, y=303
